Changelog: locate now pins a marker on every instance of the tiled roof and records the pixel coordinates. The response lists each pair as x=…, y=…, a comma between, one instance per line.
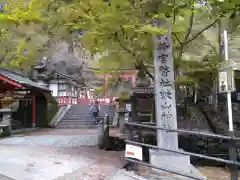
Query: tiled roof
x=20, y=78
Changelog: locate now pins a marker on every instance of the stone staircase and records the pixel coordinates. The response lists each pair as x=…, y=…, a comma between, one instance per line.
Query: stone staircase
x=215, y=119
x=78, y=116
x=223, y=113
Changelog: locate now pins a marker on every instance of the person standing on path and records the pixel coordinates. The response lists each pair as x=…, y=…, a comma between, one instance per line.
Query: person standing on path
x=95, y=109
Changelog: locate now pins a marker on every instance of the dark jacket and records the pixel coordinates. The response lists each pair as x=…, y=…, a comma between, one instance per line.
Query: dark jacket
x=94, y=108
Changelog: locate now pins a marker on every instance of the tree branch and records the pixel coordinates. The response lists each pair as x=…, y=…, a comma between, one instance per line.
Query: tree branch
x=149, y=74
x=178, y=40
x=190, y=23
x=123, y=47
x=174, y=11
x=200, y=32
x=4, y=56
x=149, y=65
x=141, y=66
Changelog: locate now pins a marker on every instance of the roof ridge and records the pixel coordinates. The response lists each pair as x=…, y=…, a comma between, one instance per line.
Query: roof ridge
x=12, y=71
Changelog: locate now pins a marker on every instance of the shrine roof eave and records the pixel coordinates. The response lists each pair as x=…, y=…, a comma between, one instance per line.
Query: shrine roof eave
x=60, y=74
x=19, y=80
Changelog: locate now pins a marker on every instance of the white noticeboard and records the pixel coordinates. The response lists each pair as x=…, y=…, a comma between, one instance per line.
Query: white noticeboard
x=223, y=81
x=134, y=152
x=128, y=107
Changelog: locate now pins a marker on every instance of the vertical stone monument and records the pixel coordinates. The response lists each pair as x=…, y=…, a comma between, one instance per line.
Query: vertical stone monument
x=166, y=114
x=5, y=122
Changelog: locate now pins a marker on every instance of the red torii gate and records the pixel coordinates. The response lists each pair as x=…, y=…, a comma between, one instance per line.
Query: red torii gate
x=125, y=74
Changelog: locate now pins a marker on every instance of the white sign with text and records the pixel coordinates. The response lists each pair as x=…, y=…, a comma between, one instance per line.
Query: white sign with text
x=134, y=152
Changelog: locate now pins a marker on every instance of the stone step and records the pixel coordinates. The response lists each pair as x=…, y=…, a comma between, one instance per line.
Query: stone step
x=79, y=116
x=76, y=121
x=67, y=126
x=76, y=116
x=82, y=122
x=79, y=112
x=83, y=117
x=80, y=108
x=76, y=124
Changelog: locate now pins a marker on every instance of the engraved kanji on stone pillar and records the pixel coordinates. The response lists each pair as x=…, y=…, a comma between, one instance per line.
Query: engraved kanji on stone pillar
x=165, y=91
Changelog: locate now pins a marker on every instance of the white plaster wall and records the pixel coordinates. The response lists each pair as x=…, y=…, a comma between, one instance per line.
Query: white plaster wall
x=64, y=93
x=54, y=89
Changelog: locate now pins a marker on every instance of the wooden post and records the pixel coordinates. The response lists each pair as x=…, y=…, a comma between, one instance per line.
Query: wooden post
x=133, y=81
x=33, y=112
x=12, y=92
x=105, y=86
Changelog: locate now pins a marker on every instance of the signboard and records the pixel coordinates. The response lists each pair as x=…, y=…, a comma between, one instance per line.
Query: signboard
x=126, y=116
x=223, y=81
x=143, y=90
x=226, y=80
x=129, y=107
x=132, y=151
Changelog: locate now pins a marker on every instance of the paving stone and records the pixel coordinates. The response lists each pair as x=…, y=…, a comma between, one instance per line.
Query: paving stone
x=38, y=164
x=122, y=174
x=52, y=155
x=2, y=177
x=45, y=140
x=89, y=140
x=13, y=140
x=64, y=141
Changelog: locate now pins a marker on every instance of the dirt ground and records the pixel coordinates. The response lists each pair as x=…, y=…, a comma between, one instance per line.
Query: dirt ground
x=216, y=173
x=212, y=173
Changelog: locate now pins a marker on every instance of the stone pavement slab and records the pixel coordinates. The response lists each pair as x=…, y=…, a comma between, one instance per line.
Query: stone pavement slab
x=52, y=140
x=54, y=154
x=26, y=163
x=122, y=174
x=130, y=175
x=2, y=177
x=15, y=140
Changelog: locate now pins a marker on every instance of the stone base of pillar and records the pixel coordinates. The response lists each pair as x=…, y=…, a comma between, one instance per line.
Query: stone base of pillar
x=33, y=125
x=121, y=123
x=173, y=162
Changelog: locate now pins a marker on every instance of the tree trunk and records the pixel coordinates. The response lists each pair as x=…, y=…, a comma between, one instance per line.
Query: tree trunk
x=195, y=98
x=214, y=95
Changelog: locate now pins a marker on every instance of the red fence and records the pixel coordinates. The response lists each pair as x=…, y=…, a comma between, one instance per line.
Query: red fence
x=80, y=100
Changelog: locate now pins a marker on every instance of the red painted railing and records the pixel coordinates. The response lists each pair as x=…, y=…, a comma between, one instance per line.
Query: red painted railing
x=80, y=100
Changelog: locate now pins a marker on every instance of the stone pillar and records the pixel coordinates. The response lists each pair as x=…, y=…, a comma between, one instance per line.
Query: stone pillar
x=101, y=134
x=116, y=116
x=166, y=115
x=121, y=113
x=6, y=122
